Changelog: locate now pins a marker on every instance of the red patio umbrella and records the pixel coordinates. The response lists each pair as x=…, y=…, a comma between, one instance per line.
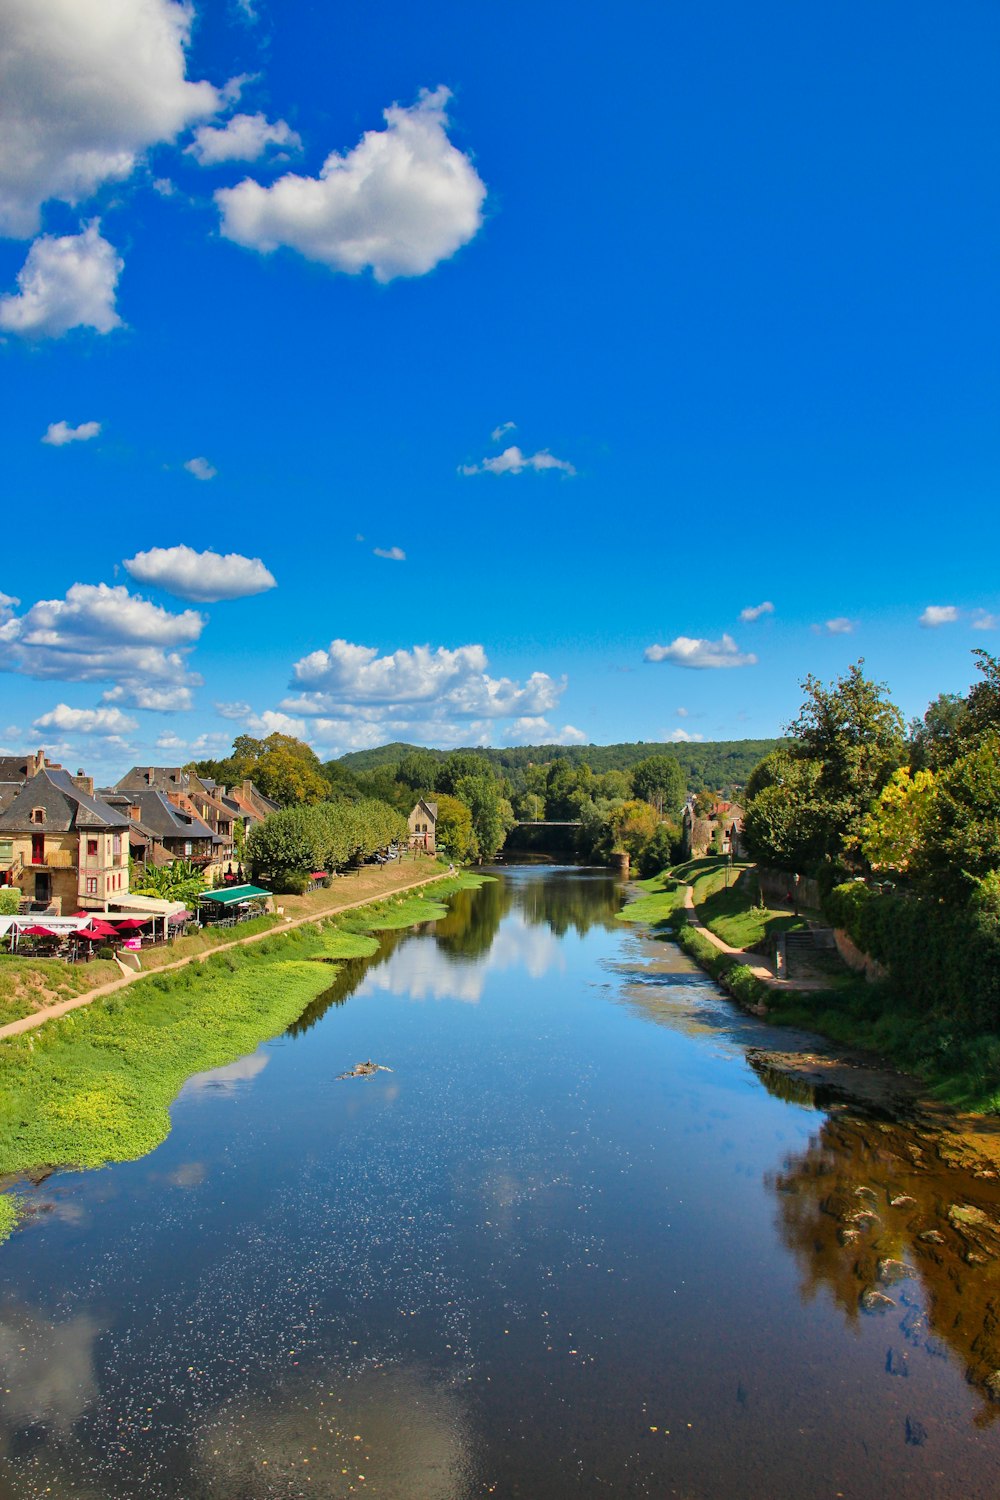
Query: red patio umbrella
x=131, y=924
x=89, y=934
x=39, y=932
x=102, y=929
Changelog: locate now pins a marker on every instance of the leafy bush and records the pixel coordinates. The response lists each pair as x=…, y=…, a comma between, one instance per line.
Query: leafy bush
x=292, y=883
x=10, y=900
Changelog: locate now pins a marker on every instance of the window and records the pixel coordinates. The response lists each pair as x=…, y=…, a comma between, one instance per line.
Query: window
x=38, y=814
x=116, y=843
x=92, y=848
x=6, y=849
x=188, y=848
x=91, y=885
x=38, y=848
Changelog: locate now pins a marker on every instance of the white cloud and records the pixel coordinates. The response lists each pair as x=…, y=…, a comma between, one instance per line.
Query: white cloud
x=394, y=554
x=684, y=737
x=270, y=722
x=754, y=611
x=204, y=577
x=682, y=713
x=103, y=721
x=98, y=633
x=353, y=680
x=237, y=710
x=536, y=730
x=502, y=430
x=938, y=614
x=841, y=625
x=57, y=434
x=689, y=651
x=984, y=621
x=202, y=745
x=86, y=86
x=399, y=203
x=68, y=281
x=243, y=138
x=513, y=461
x=200, y=468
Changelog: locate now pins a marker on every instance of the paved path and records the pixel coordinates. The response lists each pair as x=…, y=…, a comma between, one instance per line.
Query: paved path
x=51, y=1012
x=757, y=965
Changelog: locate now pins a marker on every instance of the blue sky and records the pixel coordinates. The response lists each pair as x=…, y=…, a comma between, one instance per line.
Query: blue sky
x=729, y=270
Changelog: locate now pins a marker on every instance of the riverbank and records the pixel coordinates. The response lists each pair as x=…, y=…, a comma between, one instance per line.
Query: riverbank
x=95, y=1086
x=689, y=904
x=33, y=990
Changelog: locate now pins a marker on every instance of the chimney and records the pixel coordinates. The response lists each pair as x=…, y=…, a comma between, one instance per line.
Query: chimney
x=85, y=783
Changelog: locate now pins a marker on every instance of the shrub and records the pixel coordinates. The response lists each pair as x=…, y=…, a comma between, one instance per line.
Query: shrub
x=10, y=900
x=292, y=883
x=105, y=952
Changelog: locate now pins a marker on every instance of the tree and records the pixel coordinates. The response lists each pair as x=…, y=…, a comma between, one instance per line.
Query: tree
x=936, y=739
x=492, y=814
x=632, y=825
x=983, y=704
x=787, y=823
x=418, y=770
x=659, y=781
x=963, y=839
x=853, y=733
x=454, y=834
x=459, y=764
x=893, y=835
x=660, y=850
x=289, y=778
x=615, y=784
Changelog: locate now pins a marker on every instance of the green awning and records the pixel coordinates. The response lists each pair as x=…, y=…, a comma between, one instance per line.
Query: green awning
x=235, y=893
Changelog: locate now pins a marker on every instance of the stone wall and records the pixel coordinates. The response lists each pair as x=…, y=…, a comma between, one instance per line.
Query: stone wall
x=854, y=958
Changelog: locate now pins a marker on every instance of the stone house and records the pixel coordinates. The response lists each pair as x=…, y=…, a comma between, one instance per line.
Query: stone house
x=64, y=847
x=423, y=825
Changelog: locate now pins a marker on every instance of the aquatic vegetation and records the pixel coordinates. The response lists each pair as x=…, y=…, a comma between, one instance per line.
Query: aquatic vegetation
x=10, y=1213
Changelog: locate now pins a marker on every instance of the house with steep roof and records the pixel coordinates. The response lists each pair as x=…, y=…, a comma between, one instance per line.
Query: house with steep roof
x=423, y=826
x=64, y=847
x=174, y=830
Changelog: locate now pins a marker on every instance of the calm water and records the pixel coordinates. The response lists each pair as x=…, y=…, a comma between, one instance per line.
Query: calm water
x=571, y=1245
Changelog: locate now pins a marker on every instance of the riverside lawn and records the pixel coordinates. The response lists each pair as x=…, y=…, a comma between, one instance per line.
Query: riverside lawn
x=95, y=1086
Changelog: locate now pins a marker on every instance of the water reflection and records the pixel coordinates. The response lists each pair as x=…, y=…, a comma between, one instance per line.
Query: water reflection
x=46, y=1369
x=431, y=971
x=874, y=1219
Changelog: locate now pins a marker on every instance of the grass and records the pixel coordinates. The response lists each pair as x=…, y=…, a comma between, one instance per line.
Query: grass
x=96, y=1085
x=10, y=1213
x=662, y=894
x=30, y=984
x=727, y=903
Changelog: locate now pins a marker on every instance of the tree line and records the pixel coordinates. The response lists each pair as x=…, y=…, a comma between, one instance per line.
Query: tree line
x=901, y=826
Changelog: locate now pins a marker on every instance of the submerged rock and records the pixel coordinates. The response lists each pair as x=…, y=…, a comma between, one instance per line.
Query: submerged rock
x=364, y=1070
x=873, y=1301
x=890, y=1270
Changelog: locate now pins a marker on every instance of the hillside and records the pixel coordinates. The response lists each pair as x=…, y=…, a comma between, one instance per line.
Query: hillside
x=712, y=763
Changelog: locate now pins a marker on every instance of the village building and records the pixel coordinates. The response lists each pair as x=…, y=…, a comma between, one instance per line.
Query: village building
x=423, y=826
x=61, y=845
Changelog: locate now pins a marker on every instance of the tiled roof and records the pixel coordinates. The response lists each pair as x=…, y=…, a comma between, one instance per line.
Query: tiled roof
x=65, y=806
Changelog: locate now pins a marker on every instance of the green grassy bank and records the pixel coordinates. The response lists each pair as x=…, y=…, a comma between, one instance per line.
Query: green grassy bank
x=96, y=1085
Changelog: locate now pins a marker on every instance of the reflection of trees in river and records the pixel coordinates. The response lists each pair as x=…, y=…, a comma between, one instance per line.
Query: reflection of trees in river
x=469, y=930
x=566, y=900
x=872, y=1216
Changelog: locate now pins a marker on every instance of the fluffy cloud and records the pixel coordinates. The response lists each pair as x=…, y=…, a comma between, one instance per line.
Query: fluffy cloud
x=502, y=430
x=57, y=434
x=204, y=577
x=754, y=611
x=98, y=633
x=200, y=468
x=243, y=138
x=68, y=281
x=984, y=621
x=684, y=737
x=203, y=745
x=394, y=554
x=86, y=86
x=938, y=614
x=688, y=651
x=103, y=721
x=513, y=461
x=399, y=203
x=840, y=626
x=354, y=681
x=535, y=730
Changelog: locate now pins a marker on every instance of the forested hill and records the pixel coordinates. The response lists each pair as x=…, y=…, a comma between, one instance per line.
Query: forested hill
x=712, y=763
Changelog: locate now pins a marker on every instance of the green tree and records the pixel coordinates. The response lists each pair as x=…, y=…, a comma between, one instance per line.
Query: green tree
x=659, y=781
x=786, y=823
x=963, y=840
x=460, y=764
x=492, y=815
x=854, y=734
x=418, y=770
x=894, y=833
x=632, y=825
x=454, y=834
x=937, y=739
x=983, y=704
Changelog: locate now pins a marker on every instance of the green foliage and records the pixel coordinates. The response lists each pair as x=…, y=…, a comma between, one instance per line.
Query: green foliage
x=10, y=1213
x=982, y=715
x=660, y=850
x=282, y=767
x=418, y=770
x=893, y=835
x=10, y=900
x=454, y=834
x=936, y=739
x=179, y=881
x=962, y=843
x=492, y=814
x=325, y=836
x=659, y=780
x=662, y=896
x=786, y=822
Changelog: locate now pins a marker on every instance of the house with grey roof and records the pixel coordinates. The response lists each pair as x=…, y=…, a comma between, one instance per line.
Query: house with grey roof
x=64, y=847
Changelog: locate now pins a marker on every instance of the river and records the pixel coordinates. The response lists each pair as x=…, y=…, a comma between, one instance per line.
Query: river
x=575, y=1243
